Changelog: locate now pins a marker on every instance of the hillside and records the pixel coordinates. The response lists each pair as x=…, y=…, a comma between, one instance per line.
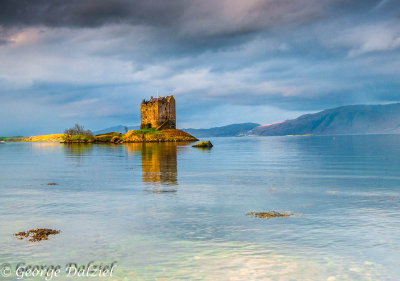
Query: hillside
x=224, y=131
x=353, y=119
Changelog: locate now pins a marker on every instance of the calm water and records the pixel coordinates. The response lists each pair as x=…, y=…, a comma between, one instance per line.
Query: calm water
x=110, y=204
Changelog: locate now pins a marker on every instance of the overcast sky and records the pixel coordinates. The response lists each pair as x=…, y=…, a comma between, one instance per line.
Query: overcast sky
x=225, y=61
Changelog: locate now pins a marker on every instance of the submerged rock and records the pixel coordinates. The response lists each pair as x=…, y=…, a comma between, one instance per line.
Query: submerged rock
x=203, y=144
x=267, y=215
x=165, y=191
x=36, y=235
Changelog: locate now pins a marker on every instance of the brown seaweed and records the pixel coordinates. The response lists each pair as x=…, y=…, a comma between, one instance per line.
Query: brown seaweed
x=36, y=235
x=267, y=215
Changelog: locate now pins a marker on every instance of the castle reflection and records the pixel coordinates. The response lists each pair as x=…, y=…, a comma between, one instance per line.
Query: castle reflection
x=159, y=162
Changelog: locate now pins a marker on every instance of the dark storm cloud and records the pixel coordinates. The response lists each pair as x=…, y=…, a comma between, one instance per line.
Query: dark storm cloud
x=250, y=15
x=180, y=26
x=87, y=13
x=184, y=27
x=206, y=17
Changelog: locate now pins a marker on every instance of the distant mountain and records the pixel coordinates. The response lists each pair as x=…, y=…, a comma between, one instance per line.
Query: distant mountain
x=224, y=131
x=352, y=119
x=117, y=129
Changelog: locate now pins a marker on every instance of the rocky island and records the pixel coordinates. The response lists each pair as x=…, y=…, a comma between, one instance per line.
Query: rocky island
x=158, y=123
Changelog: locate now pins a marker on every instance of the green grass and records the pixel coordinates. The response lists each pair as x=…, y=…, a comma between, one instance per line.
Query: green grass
x=152, y=135
x=148, y=131
x=16, y=138
x=142, y=132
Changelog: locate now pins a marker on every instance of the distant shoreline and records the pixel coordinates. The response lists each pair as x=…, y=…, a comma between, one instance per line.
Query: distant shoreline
x=49, y=138
x=133, y=136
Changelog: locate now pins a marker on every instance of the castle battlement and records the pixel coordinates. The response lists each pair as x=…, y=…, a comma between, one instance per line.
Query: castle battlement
x=158, y=113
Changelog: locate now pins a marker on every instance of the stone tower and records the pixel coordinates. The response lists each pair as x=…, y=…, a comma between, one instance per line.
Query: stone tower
x=158, y=113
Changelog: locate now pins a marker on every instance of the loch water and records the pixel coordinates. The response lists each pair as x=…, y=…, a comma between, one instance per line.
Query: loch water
x=173, y=212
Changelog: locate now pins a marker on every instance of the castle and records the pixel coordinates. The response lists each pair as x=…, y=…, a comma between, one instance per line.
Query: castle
x=158, y=113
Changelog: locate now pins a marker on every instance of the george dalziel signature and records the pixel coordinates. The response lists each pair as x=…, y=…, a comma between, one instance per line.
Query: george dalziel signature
x=92, y=269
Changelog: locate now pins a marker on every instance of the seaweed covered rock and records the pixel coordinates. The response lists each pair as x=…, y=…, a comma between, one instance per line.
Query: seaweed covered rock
x=203, y=144
x=268, y=215
x=36, y=235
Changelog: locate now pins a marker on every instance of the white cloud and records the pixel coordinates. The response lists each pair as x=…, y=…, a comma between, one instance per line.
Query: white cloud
x=71, y=56
x=368, y=38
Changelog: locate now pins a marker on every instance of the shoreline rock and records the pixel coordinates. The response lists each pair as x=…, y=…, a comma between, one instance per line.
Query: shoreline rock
x=203, y=144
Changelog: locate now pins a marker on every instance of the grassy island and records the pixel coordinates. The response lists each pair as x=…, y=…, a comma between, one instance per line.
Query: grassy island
x=152, y=135
x=133, y=136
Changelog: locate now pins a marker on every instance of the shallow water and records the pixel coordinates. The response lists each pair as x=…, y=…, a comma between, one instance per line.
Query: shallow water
x=173, y=212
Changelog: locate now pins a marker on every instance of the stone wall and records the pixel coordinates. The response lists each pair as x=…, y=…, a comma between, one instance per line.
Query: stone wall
x=158, y=113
